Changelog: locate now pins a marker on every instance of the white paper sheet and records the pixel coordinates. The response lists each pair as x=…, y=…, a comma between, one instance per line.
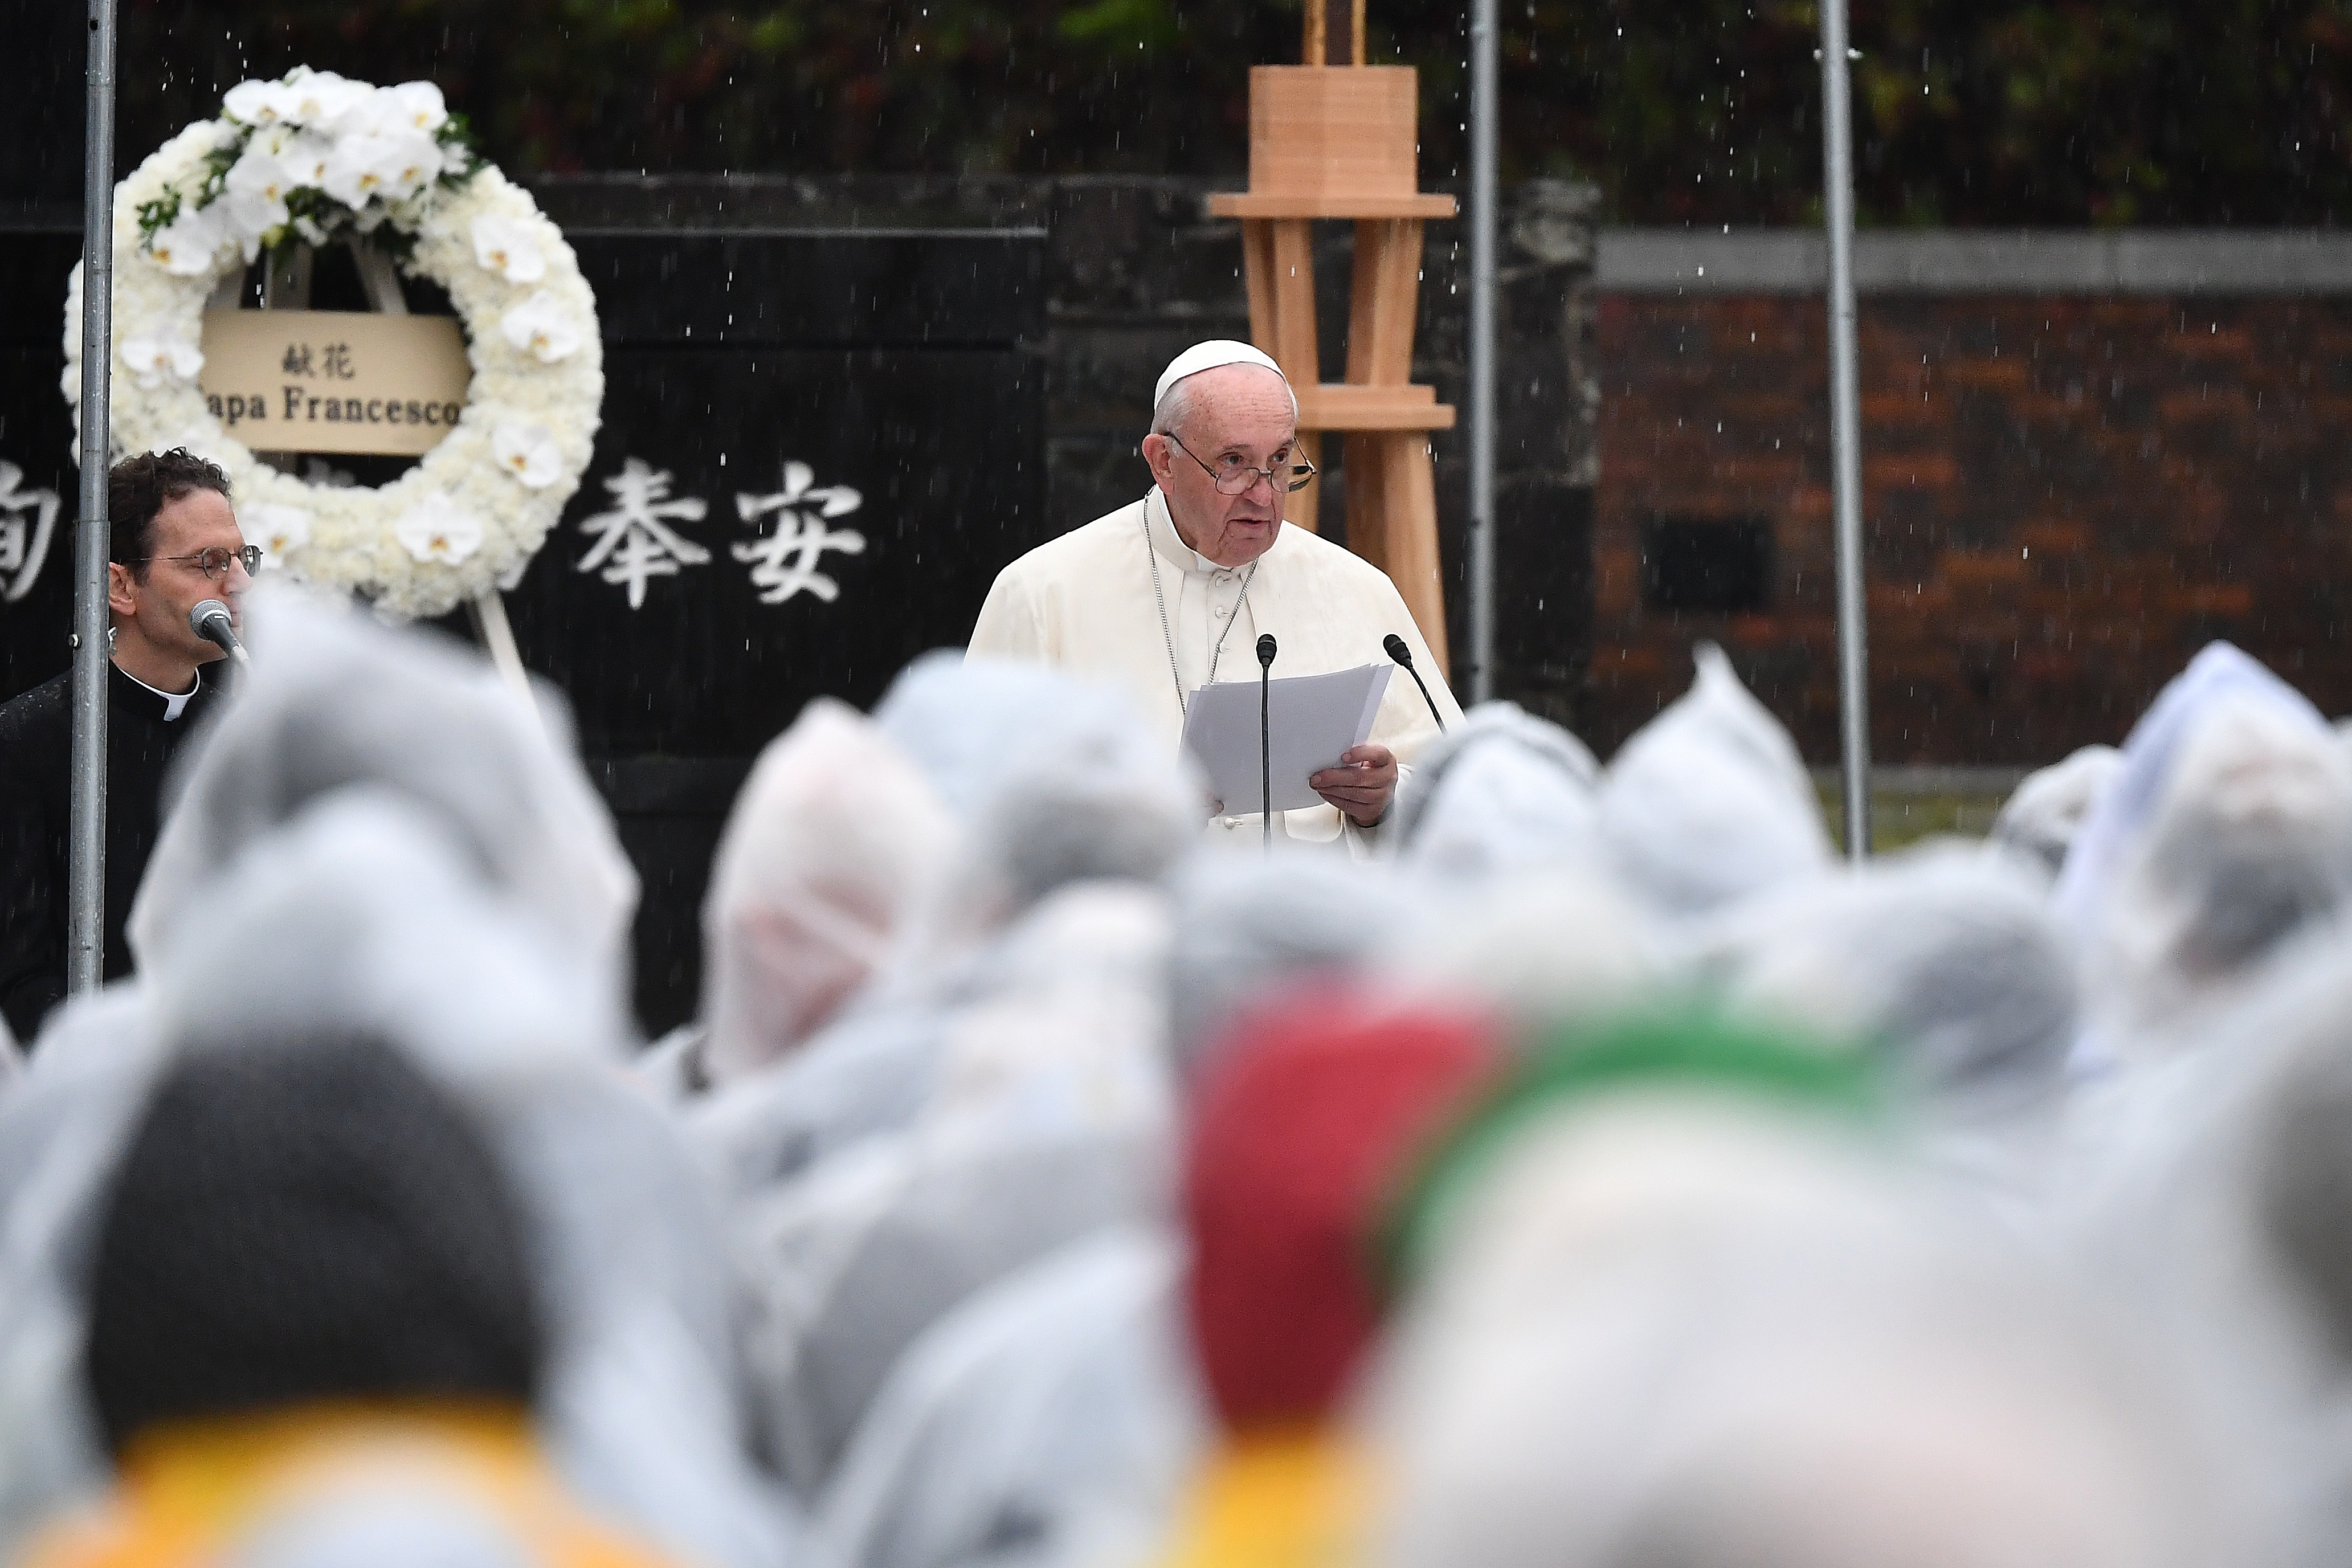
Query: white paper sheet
x=1313, y=720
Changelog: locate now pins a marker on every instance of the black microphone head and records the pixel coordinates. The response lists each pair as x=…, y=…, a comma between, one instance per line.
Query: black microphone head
x=200, y=619
x=1265, y=651
x=1397, y=650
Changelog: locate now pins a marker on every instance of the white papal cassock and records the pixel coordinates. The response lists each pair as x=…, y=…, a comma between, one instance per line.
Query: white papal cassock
x=1085, y=603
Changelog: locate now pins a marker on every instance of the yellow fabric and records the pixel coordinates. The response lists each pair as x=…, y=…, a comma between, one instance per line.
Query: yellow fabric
x=1291, y=1499
x=188, y=1491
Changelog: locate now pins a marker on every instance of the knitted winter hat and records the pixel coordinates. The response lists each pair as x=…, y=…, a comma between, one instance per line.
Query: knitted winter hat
x=301, y=1221
x=1314, y=1107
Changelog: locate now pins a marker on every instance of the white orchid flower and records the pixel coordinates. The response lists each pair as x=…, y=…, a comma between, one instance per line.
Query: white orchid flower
x=321, y=98
x=505, y=247
x=250, y=219
x=352, y=175
x=282, y=156
x=416, y=105
x=304, y=157
x=248, y=102
x=438, y=529
x=151, y=358
x=255, y=195
x=185, y=247
x=261, y=170
x=391, y=168
x=414, y=161
x=529, y=453
x=257, y=102
x=542, y=327
x=278, y=528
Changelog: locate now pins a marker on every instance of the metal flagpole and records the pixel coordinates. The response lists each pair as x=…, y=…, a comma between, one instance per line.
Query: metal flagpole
x=1845, y=432
x=85, y=919
x=1483, y=111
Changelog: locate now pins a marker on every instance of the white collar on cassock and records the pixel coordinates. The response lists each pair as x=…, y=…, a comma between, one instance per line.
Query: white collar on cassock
x=1171, y=544
x=174, y=702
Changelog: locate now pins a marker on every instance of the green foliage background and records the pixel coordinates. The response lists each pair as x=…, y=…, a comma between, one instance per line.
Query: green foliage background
x=1972, y=112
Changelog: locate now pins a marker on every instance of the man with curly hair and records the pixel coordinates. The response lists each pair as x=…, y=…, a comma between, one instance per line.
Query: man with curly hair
x=173, y=542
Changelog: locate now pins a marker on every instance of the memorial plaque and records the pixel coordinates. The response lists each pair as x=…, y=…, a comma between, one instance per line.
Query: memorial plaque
x=334, y=381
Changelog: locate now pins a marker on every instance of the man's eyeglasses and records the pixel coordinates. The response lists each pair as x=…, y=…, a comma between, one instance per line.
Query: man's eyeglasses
x=1237, y=478
x=213, y=562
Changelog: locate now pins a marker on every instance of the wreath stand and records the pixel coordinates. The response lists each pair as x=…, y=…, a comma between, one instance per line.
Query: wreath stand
x=286, y=286
x=1334, y=137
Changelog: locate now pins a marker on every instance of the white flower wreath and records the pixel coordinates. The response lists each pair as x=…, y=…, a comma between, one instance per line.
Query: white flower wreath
x=307, y=159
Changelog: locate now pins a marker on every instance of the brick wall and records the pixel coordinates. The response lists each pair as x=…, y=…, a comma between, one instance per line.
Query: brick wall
x=2065, y=497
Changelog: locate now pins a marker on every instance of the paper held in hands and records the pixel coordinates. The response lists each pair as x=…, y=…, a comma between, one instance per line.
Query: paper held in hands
x=1314, y=719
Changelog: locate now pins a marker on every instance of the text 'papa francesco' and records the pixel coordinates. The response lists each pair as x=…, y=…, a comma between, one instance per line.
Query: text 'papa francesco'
x=334, y=381
x=304, y=406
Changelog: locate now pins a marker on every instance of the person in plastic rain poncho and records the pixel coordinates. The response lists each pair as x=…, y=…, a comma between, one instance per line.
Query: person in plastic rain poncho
x=1054, y=1418
x=443, y=879
x=2215, y=1196
x=2224, y=837
x=1502, y=791
x=1677, y=1303
x=437, y=728
x=1172, y=591
x=1948, y=963
x=1039, y=1115
x=1039, y=941
x=834, y=845
x=1514, y=901
x=1709, y=802
x=312, y=1330
x=1310, y=1112
x=2046, y=811
x=1246, y=927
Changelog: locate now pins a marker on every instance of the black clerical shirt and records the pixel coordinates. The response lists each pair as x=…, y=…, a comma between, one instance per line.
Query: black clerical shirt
x=36, y=771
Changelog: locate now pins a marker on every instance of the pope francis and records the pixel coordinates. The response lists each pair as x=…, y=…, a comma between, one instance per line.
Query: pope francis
x=1169, y=594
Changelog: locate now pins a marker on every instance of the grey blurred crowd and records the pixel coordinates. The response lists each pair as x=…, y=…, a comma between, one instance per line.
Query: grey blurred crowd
x=1609, y=1177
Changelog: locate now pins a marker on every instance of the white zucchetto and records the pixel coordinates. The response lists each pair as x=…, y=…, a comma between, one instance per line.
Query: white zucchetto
x=1216, y=351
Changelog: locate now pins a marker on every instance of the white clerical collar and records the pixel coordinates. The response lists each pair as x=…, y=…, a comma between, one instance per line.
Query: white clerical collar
x=1171, y=543
x=174, y=702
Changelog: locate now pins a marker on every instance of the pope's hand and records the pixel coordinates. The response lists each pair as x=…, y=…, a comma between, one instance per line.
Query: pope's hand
x=1362, y=785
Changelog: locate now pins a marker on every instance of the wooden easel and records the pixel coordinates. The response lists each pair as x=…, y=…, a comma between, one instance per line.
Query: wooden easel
x=1334, y=137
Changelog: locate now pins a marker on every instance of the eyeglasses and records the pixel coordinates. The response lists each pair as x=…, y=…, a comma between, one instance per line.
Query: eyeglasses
x=1239, y=478
x=213, y=562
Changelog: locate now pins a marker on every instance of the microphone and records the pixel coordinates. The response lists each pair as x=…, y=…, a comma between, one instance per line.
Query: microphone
x=210, y=620
x=1403, y=656
x=1265, y=741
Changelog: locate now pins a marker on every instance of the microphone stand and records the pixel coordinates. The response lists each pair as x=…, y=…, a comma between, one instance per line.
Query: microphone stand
x=1394, y=647
x=1266, y=741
